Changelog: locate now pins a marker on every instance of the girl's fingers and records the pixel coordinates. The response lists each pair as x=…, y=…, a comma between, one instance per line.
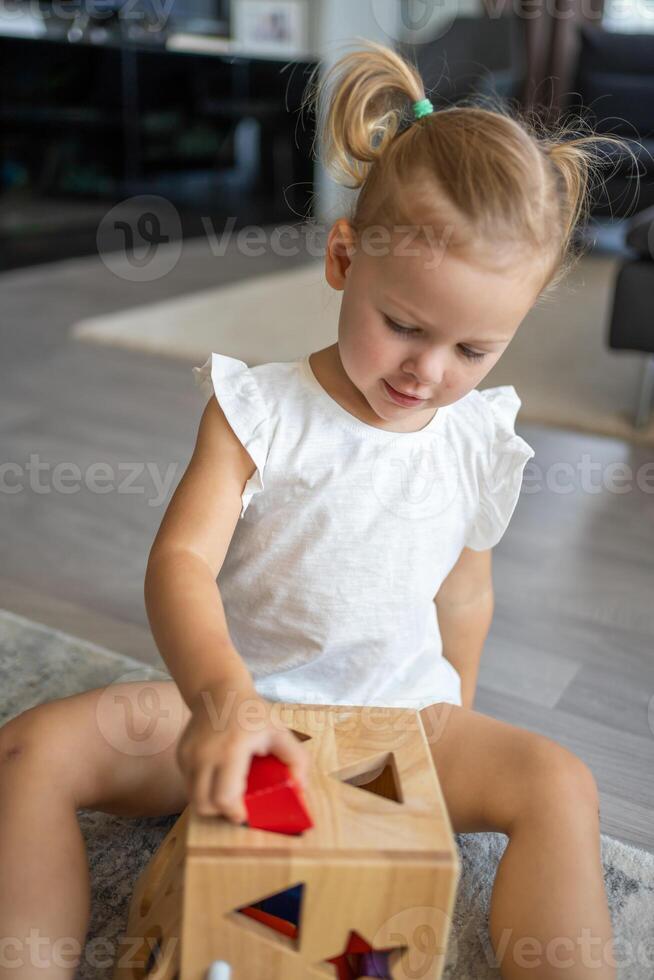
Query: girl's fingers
x=287, y=748
x=202, y=783
x=219, y=789
x=230, y=784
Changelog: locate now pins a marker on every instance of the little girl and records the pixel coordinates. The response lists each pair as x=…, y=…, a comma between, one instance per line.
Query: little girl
x=347, y=503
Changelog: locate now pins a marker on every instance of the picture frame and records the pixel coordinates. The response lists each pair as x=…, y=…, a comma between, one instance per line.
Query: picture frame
x=277, y=27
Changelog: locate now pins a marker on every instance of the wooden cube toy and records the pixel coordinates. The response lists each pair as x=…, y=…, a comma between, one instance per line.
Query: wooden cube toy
x=376, y=873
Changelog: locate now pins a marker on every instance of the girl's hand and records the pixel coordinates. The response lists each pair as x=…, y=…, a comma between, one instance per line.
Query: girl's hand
x=226, y=728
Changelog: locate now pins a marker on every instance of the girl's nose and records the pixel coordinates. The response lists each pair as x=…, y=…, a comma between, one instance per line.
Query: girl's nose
x=427, y=370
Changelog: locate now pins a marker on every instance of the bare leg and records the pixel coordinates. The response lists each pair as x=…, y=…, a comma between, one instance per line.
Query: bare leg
x=549, y=916
x=77, y=752
x=44, y=887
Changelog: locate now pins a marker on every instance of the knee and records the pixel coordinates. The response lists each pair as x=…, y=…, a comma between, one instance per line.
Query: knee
x=14, y=737
x=25, y=740
x=557, y=779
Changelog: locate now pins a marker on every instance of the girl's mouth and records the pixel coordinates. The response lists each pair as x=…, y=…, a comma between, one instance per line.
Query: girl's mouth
x=399, y=398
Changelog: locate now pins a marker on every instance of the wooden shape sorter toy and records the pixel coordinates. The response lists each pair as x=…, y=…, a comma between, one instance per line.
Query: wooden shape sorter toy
x=358, y=878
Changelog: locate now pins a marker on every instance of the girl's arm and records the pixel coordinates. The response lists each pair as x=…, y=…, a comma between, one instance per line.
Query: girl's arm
x=182, y=598
x=188, y=624
x=465, y=604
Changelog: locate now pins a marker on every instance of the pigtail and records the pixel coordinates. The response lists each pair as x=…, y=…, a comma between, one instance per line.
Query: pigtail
x=577, y=162
x=572, y=166
x=360, y=104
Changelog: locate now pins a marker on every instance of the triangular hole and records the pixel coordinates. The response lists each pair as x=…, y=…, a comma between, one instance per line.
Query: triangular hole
x=279, y=915
x=300, y=735
x=378, y=776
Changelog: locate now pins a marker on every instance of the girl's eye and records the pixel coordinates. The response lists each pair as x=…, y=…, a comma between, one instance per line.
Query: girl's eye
x=396, y=327
x=471, y=355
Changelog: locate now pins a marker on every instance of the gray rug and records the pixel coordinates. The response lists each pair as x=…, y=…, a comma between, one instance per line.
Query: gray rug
x=39, y=664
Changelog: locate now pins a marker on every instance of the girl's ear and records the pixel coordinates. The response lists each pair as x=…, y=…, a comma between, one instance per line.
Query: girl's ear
x=339, y=253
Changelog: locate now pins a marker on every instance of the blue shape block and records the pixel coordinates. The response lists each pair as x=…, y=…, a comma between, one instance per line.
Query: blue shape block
x=374, y=965
x=285, y=906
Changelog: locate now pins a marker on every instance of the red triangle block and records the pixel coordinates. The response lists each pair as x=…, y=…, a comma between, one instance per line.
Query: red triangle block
x=273, y=921
x=273, y=799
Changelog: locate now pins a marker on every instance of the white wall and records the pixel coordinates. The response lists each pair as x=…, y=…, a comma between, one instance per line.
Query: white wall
x=334, y=26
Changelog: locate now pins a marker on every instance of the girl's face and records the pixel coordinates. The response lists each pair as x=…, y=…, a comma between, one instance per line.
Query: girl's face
x=427, y=323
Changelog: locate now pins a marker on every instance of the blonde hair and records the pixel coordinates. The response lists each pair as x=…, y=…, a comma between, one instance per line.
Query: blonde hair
x=496, y=181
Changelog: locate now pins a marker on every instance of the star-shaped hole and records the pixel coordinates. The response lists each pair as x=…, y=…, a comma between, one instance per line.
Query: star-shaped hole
x=359, y=959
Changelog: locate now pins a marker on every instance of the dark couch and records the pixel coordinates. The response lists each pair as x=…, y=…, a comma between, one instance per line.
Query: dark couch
x=614, y=82
x=474, y=54
x=631, y=326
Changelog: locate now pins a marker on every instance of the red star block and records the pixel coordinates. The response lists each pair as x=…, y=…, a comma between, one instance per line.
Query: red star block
x=273, y=799
x=350, y=963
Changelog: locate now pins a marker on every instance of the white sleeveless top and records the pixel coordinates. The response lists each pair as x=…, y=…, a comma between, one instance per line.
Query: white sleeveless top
x=347, y=531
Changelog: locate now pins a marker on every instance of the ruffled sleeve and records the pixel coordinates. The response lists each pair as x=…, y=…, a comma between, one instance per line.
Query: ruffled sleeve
x=239, y=396
x=503, y=465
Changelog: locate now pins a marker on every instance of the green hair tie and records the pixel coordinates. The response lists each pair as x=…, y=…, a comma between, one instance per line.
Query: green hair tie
x=422, y=108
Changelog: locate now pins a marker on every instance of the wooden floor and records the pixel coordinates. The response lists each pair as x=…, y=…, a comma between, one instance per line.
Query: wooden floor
x=571, y=649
